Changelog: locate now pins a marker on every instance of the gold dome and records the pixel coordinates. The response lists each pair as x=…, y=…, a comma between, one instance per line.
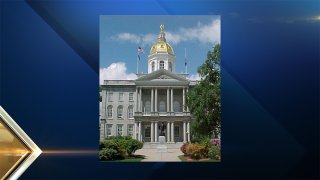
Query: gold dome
x=161, y=46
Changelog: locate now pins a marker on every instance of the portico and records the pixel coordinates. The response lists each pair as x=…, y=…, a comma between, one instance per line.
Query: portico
x=162, y=100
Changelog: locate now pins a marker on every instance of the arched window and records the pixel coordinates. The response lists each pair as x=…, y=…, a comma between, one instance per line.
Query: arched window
x=162, y=106
x=161, y=64
x=120, y=112
x=109, y=111
x=176, y=106
x=170, y=66
x=152, y=66
x=147, y=107
x=130, y=112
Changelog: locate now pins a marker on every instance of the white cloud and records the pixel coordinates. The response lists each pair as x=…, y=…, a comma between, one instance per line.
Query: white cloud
x=209, y=33
x=194, y=77
x=203, y=33
x=116, y=71
x=148, y=39
x=127, y=37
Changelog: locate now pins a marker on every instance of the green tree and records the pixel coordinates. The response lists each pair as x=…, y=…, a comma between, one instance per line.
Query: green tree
x=204, y=98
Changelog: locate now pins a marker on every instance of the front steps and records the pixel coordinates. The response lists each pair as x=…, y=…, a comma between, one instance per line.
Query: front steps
x=148, y=145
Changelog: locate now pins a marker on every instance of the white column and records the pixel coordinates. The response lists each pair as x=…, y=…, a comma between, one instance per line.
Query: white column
x=183, y=100
x=188, y=130
x=168, y=131
x=136, y=104
x=184, y=132
x=172, y=131
x=135, y=130
x=187, y=106
x=168, y=110
x=152, y=131
x=140, y=100
x=156, y=100
x=156, y=132
x=152, y=110
x=171, y=100
x=140, y=136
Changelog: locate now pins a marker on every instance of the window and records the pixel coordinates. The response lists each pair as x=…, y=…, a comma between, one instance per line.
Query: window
x=170, y=66
x=110, y=96
x=147, y=107
x=161, y=64
x=108, y=130
x=119, y=129
x=176, y=131
x=120, y=112
x=109, y=111
x=130, y=112
x=162, y=106
x=130, y=96
x=147, y=132
x=120, y=96
x=152, y=66
x=176, y=106
x=130, y=130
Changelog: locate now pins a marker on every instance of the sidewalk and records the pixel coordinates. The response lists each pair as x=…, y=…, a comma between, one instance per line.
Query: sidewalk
x=152, y=155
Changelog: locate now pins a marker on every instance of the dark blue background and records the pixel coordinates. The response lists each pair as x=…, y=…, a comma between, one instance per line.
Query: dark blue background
x=270, y=86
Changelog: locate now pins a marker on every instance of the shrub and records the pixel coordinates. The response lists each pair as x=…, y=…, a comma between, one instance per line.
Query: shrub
x=108, y=154
x=215, y=142
x=196, y=151
x=115, y=145
x=195, y=139
x=118, y=147
x=132, y=145
x=207, y=143
x=214, y=153
x=183, y=148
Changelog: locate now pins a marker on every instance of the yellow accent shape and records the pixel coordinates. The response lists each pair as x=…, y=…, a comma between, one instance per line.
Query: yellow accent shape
x=12, y=151
x=17, y=150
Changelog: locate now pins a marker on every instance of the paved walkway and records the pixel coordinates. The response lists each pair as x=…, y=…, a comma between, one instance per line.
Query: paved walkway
x=152, y=155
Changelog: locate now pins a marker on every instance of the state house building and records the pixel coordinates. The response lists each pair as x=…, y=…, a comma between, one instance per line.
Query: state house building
x=141, y=107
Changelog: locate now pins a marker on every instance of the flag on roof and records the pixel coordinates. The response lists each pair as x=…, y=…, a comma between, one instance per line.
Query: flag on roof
x=185, y=56
x=140, y=50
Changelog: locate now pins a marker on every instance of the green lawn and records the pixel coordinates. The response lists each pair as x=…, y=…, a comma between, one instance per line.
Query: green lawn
x=183, y=159
x=134, y=158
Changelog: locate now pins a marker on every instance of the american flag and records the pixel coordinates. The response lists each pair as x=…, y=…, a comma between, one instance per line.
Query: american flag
x=140, y=50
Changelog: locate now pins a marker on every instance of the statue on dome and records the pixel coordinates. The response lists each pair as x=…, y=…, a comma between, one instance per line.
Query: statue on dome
x=161, y=27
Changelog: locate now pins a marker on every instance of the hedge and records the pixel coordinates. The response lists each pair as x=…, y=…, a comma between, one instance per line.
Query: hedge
x=118, y=147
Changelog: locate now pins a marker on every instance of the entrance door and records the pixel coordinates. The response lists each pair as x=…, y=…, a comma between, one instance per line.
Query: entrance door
x=147, y=133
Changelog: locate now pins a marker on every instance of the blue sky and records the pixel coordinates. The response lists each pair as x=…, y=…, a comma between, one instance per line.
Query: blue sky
x=120, y=36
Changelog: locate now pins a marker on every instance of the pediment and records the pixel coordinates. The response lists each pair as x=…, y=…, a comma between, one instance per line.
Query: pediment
x=161, y=75
x=164, y=77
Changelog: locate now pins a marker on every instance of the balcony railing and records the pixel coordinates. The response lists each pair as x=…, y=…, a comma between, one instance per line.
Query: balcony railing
x=162, y=114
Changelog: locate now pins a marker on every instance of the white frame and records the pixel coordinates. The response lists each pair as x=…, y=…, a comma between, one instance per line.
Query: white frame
x=35, y=150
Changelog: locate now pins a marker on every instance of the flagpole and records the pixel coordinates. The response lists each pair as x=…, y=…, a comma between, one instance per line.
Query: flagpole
x=185, y=60
x=137, y=64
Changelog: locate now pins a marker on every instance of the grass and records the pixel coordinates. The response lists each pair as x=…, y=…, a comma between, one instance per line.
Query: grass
x=183, y=159
x=134, y=158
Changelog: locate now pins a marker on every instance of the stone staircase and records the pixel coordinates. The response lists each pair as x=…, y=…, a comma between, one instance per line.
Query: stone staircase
x=148, y=145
